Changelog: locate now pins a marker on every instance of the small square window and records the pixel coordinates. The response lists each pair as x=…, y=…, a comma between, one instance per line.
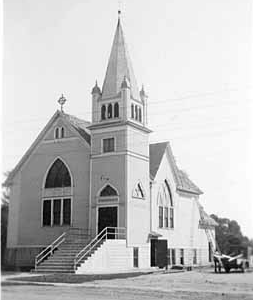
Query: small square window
x=108, y=145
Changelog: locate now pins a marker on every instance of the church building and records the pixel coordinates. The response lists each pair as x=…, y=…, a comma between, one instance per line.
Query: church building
x=97, y=196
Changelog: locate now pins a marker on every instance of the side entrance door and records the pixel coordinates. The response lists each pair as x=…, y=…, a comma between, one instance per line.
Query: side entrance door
x=158, y=253
x=108, y=217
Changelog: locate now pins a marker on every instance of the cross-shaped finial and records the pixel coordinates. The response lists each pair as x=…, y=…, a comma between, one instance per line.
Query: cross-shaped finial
x=62, y=101
x=119, y=8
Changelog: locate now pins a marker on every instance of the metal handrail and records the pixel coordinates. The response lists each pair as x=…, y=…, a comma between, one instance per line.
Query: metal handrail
x=52, y=246
x=98, y=238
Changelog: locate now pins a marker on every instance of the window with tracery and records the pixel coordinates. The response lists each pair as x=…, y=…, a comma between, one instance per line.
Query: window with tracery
x=58, y=176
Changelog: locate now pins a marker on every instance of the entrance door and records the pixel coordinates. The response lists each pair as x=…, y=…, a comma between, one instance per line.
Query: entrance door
x=159, y=253
x=108, y=217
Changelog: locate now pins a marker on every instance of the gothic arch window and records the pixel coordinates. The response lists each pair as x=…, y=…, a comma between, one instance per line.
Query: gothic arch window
x=165, y=206
x=62, y=132
x=136, y=112
x=116, y=110
x=103, y=110
x=132, y=111
x=108, y=191
x=58, y=175
x=57, y=199
x=56, y=133
x=109, y=111
x=140, y=114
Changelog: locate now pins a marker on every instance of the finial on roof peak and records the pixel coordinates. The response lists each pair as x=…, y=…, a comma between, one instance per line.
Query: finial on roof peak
x=125, y=83
x=62, y=101
x=96, y=89
x=142, y=91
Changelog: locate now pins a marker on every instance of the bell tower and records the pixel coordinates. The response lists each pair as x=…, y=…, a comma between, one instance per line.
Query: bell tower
x=120, y=148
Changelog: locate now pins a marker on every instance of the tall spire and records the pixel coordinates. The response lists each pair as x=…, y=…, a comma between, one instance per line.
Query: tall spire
x=118, y=67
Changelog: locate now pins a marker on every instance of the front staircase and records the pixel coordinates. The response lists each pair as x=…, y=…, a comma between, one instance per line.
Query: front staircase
x=71, y=250
x=59, y=256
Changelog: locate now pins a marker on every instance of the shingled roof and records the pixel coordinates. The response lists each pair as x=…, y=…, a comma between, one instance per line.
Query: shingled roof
x=118, y=67
x=183, y=182
x=80, y=125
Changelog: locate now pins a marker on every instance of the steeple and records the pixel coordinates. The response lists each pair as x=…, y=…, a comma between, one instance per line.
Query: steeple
x=119, y=66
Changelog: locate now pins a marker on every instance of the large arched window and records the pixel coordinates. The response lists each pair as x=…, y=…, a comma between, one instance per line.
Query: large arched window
x=109, y=111
x=116, y=110
x=103, y=109
x=58, y=176
x=166, y=207
x=57, y=203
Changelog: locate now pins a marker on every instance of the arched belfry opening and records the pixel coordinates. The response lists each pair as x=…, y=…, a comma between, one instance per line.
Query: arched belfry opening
x=58, y=175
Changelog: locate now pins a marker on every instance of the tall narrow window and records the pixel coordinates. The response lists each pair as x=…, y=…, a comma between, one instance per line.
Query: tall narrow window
x=46, y=221
x=109, y=115
x=171, y=225
x=116, y=110
x=194, y=256
x=58, y=176
x=173, y=256
x=160, y=216
x=132, y=111
x=136, y=112
x=56, y=133
x=166, y=221
x=169, y=256
x=171, y=217
x=182, y=256
x=140, y=114
x=62, y=132
x=136, y=257
x=103, y=110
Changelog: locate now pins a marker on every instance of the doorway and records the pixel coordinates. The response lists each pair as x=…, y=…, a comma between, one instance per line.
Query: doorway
x=108, y=217
x=158, y=253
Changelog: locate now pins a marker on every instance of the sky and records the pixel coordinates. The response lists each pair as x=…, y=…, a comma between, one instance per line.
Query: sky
x=193, y=57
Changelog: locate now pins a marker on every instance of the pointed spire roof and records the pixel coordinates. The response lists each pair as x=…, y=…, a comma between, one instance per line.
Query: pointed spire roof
x=118, y=67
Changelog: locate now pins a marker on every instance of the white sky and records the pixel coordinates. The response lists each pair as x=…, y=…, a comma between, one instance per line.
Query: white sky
x=194, y=58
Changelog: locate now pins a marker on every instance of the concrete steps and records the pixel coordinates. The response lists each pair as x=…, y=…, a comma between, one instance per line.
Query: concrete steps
x=62, y=260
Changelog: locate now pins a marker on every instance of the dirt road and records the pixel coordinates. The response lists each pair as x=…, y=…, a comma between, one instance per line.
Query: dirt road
x=187, y=285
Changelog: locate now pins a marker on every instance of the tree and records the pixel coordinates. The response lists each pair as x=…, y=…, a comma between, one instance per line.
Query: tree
x=229, y=237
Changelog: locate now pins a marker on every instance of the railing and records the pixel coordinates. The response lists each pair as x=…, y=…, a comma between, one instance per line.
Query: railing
x=49, y=250
x=106, y=233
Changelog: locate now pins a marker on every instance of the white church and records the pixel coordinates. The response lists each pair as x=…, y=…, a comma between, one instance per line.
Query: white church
x=96, y=196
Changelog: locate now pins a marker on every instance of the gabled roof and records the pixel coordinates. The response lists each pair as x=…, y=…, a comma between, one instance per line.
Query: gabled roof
x=78, y=125
x=156, y=153
x=118, y=67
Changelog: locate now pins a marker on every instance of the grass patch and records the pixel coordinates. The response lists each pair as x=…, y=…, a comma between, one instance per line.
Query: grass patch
x=75, y=278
